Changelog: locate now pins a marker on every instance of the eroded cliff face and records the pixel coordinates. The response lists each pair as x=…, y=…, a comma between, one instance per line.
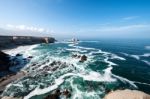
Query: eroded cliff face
x=8, y=41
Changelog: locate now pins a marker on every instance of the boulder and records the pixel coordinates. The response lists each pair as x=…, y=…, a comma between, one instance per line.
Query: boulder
x=83, y=58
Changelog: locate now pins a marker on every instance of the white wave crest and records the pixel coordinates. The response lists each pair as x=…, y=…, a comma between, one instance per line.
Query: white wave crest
x=146, y=55
x=20, y=49
x=38, y=91
x=147, y=62
x=95, y=76
x=147, y=47
x=125, y=80
x=137, y=57
x=77, y=50
x=113, y=56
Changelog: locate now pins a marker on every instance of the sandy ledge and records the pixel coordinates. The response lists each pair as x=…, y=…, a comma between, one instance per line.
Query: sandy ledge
x=127, y=94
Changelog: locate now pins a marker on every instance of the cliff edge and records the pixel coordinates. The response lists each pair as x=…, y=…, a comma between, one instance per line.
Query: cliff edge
x=7, y=42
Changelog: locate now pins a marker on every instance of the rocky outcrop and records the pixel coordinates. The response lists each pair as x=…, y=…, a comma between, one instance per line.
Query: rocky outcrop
x=4, y=61
x=11, y=64
x=10, y=67
x=4, y=81
x=83, y=58
x=59, y=93
x=12, y=41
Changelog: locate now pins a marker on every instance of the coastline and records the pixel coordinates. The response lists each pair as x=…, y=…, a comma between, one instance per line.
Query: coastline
x=6, y=80
x=10, y=42
x=29, y=47
x=10, y=77
x=14, y=51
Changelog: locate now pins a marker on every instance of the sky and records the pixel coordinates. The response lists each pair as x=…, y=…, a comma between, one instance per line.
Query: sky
x=76, y=18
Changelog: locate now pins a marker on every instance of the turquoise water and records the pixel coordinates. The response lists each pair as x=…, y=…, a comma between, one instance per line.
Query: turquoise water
x=111, y=65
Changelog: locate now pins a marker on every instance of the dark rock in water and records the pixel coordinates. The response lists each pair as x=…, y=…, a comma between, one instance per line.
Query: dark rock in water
x=56, y=95
x=18, y=54
x=53, y=63
x=75, y=55
x=30, y=57
x=83, y=58
x=67, y=93
x=79, y=56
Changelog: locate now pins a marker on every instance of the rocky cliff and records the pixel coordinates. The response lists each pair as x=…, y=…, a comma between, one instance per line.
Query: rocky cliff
x=12, y=41
x=4, y=61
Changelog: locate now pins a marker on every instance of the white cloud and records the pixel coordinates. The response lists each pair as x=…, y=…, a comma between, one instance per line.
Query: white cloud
x=21, y=30
x=130, y=17
x=128, y=31
x=26, y=28
x=118, y=28
x=123, y=28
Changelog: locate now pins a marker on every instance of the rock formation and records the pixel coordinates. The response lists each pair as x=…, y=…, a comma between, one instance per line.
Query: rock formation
x=12, y=41
x=127, y=94
x=4, y=61
x=83, y=58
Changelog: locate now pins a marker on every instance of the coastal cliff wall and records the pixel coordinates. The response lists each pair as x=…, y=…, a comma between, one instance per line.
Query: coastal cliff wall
x=8, y=41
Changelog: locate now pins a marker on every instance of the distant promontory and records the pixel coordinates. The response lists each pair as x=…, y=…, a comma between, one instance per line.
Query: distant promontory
x=13, y=41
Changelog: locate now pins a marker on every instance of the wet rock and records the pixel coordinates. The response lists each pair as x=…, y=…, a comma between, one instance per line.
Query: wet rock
x=56, y=95
x=54, y=69
x=59, y=63
x=18, y=54
x=53, y=63
x=79, y=56
x=83, y=58
x=67, y=93
x=30, y=57
x=74, y=56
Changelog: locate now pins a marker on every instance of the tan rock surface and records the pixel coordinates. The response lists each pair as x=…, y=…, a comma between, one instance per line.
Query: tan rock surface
x=6, y=97
x=127, y=94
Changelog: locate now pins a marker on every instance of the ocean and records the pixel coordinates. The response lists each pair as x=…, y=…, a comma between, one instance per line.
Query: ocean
x=111, y=64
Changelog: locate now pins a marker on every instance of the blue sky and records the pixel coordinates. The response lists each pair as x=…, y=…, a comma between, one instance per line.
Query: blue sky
x=76, y=18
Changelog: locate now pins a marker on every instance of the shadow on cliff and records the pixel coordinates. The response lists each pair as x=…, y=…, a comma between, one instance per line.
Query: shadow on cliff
x=11, y=64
